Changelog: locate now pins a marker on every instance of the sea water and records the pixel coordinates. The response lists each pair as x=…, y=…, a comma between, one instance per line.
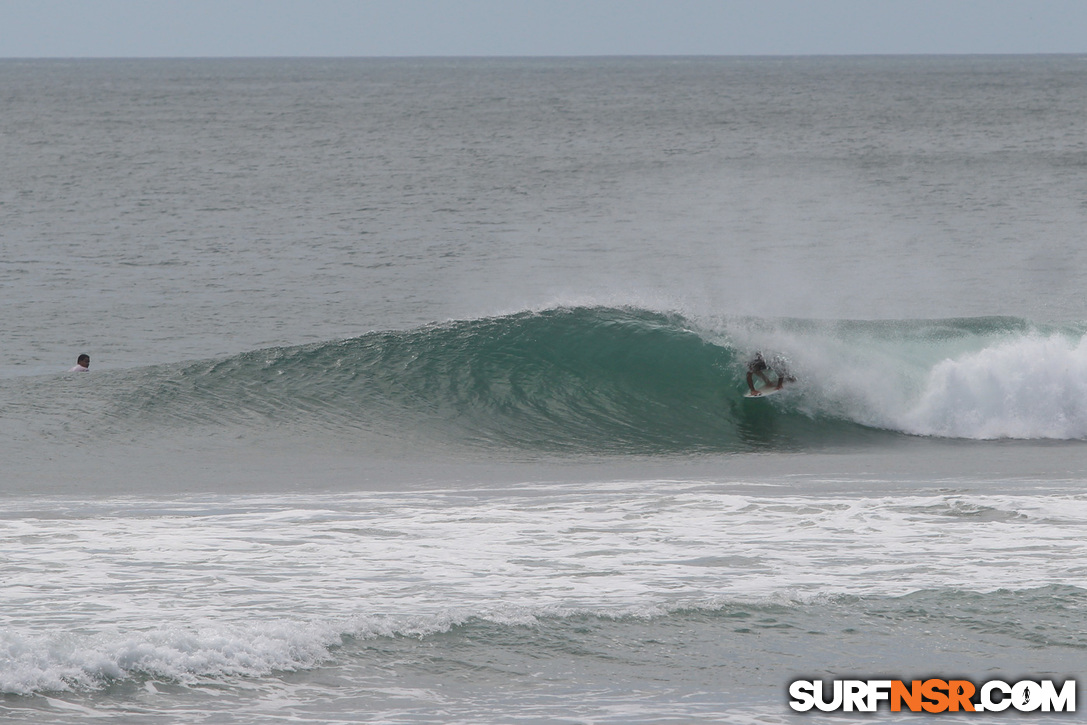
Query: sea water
x=416, y=385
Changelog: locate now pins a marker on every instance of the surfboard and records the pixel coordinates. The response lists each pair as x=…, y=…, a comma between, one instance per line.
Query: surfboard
x=762, y=392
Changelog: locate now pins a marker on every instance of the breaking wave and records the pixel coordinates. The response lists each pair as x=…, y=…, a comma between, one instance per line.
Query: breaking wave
x=223, y=653
x=622, y=380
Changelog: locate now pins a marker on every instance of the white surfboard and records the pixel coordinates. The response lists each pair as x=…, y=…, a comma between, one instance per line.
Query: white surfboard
x=763, y=392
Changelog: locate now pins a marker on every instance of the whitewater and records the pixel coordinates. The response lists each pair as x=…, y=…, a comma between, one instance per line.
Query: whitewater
x=416, y=390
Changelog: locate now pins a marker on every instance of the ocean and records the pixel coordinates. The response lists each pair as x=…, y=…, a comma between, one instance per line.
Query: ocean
x=416, y=391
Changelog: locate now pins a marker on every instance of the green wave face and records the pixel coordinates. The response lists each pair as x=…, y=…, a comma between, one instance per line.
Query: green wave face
x=616, y=380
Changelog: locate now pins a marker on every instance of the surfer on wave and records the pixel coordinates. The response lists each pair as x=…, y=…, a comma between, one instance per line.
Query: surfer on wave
x=758, y=367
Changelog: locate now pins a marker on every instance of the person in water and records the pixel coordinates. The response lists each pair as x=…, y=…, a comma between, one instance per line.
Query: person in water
x=758, y=368
x=82, y=364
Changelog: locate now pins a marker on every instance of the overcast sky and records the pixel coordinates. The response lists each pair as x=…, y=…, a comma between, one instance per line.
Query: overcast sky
x=201, y=28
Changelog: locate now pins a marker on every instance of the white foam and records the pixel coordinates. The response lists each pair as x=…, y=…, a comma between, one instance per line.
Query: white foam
x=1029, y=387
x=240, y=586
x=982, y=386
x=59, y=662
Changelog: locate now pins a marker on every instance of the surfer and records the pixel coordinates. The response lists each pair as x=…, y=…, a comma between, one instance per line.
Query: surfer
x=758, y=367
x=82, y=364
